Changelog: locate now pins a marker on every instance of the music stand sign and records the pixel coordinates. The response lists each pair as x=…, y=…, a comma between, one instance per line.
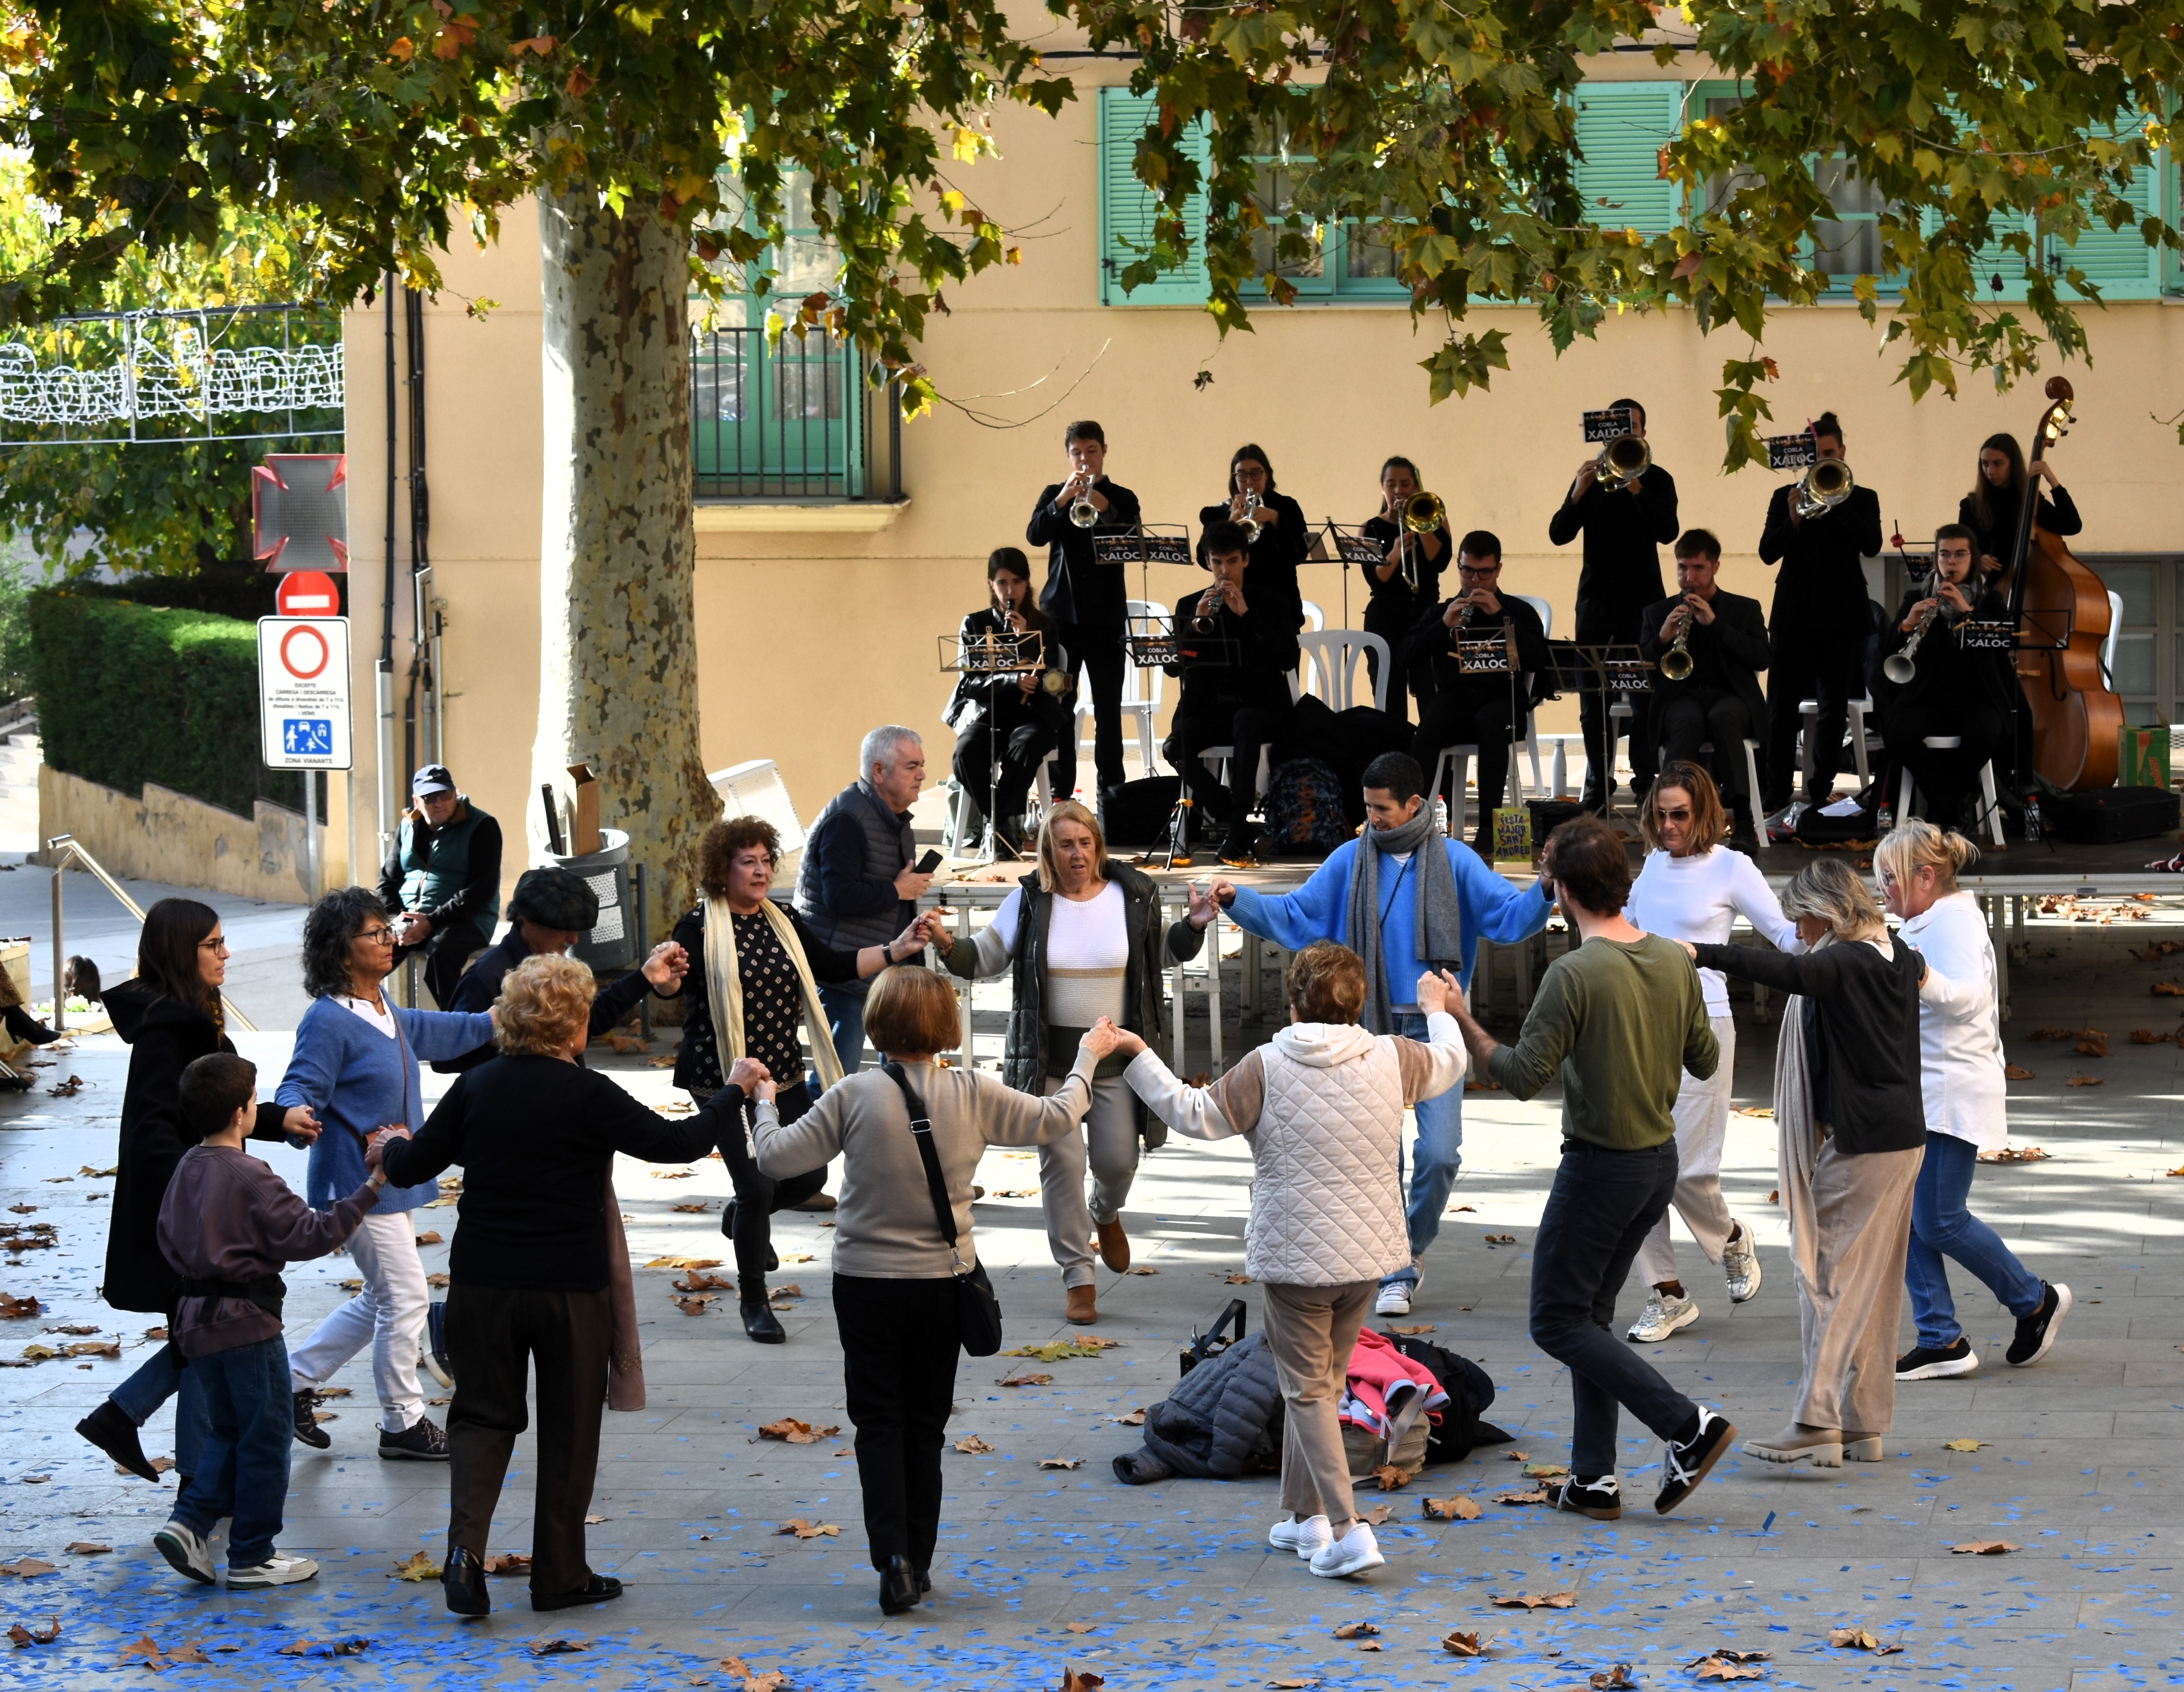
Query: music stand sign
x=302, y=692
x=1611, y=425
x=1799, y=451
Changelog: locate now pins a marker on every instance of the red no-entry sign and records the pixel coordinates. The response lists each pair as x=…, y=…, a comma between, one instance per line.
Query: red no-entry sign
x=307, y=593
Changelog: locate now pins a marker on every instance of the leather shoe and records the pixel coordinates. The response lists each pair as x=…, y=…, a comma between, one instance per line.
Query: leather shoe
x=599, y=1590
x=924, y=1581
x=1083, y=1308
x=463, y=1577
x=898, y=1586
x=762, y=1324
x=109, y=1428
x=1115, y=1246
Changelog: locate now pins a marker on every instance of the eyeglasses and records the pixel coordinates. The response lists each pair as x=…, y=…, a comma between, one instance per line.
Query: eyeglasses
x=218, y=943
x=376, y=935
x=1479, y=570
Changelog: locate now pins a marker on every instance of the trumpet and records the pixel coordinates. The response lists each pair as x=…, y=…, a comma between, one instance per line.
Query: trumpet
x=1623, y=460
x=1206, y=618
x=1901, y=666
x=1082, y=511
x=1252, y=520
x=1823, y=487
x=1422, y=514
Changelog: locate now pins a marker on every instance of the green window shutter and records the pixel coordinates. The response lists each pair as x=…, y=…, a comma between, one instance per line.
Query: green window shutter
x=2118, y=260
x=1127, y=209
x=1621, y=129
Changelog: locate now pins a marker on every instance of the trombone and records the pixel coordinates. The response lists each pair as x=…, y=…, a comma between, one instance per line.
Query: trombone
x=1623, y=460
x=1823, y=487
x=1422, y=514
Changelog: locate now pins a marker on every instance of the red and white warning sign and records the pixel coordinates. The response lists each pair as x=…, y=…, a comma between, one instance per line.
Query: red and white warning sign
x=307, y=593
x=302, y=692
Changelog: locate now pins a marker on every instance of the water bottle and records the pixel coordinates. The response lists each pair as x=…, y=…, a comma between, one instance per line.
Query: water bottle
x=2032, y=819
x=1887, y=819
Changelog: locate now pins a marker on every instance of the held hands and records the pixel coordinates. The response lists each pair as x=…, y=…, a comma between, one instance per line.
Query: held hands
x=933, y=928
x=753, y=1077
x=1104, y=1037
x=910, y=942
x=668, y=964
x=1224, y=892
x=1440, y=990
x=374, y=1148
x=1203, y=904
x=300, y=1125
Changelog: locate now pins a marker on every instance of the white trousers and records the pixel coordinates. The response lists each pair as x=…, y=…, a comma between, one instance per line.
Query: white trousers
x=388, y=1315
x=1111, y=1131
x=1702, y=1115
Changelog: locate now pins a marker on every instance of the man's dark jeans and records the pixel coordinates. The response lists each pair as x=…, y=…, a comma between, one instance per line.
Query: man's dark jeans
x=1604, y=1203
x=243, y=1470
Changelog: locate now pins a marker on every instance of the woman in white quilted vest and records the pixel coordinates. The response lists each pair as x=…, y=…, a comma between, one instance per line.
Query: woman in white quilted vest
x=1321, y=1106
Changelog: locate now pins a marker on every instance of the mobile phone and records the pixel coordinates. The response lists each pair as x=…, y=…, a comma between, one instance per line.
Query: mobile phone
x=930, y=862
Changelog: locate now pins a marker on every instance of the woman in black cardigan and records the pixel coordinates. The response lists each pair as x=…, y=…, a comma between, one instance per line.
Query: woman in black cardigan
x=1850, y=1129
x=171, y=1016
x=1284, y=536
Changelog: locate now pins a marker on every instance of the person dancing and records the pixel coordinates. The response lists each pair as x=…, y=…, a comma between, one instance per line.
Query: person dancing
x=1967, y=1110
x=1851, y=1130
x=1693, y=887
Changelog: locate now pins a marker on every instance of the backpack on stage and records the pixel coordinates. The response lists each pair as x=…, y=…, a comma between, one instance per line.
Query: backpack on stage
x=1303, y=810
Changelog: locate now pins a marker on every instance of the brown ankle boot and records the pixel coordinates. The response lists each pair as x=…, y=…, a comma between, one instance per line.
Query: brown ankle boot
x=1115, y=1246
x=1083, y=1311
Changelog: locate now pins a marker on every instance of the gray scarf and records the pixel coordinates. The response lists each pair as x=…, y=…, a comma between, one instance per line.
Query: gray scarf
x=1438, y=929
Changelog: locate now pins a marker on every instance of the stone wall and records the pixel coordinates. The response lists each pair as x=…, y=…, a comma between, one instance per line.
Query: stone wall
x=169, y=836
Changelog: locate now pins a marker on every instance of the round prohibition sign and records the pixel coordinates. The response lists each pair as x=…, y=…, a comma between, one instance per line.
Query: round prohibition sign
x=288, y=662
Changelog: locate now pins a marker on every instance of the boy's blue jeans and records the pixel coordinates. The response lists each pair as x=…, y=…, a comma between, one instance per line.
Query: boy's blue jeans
x=159, y=1377
x=243, y=1471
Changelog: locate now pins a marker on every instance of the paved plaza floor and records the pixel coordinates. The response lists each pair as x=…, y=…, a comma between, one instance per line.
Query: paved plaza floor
x=1042, y=1569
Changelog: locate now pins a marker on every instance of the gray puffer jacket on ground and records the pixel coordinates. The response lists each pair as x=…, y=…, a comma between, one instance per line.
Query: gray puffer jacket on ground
x=1223, y=1418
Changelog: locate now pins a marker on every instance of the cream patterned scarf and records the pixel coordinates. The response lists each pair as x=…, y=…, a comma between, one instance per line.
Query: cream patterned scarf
x=724, y=989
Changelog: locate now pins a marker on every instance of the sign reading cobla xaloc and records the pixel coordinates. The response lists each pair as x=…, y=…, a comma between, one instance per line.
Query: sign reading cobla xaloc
x=302, y=692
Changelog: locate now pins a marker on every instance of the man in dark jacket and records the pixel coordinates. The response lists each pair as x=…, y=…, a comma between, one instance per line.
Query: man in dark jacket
x=1623, y=528
x=1821, y=624
x=1087, y=600
x=858, y=883
x=1719, y=701
x=550, y=911
x=443, y=878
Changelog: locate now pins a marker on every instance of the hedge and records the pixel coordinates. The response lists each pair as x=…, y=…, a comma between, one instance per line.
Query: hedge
x=130, y=693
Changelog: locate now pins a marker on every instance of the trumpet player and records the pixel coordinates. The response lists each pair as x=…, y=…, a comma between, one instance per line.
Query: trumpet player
x=1407, y=587
x=1086, y=599
x=1624, y=523
x=1962, y=697
x=1006, y=724
x=1718, y=699
x=1273, y=525
x=1821, y=620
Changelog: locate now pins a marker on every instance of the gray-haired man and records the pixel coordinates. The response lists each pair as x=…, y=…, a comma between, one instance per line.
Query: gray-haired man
x=858, y=885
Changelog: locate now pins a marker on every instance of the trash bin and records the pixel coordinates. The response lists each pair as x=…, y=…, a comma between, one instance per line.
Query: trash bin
x=612, y=944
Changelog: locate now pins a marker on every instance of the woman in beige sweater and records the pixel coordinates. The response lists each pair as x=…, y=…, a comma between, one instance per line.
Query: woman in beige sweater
x=1322, y=1107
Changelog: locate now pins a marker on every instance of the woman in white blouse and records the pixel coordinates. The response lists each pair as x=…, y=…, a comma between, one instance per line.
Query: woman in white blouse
x=1692, y=888
x=1961, y=1079
x=1083, y=938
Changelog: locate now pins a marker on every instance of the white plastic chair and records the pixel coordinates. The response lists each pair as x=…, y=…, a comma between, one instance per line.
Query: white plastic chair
x=1751, y=778
x=1334, y=657
x=1315, y=618
x=1808, y=712
x=1988, y=808
x=2109, y=646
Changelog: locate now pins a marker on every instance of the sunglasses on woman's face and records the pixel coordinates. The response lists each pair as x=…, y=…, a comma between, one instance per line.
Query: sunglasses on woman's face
x=1675, y=816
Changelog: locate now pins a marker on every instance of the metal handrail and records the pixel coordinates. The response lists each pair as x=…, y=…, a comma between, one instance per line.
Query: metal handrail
x=66, y=846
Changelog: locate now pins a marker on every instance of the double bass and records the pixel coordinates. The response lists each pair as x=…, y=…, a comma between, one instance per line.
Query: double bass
x=2074, y=716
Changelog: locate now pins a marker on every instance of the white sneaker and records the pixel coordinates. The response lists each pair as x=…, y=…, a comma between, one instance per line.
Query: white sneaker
x=278, y=1570
x=1395, y=1296
x=1308, y=1539
x=1662, y=1315
x=1354, y=1552
x=186, y=1552
x=1740, y=1265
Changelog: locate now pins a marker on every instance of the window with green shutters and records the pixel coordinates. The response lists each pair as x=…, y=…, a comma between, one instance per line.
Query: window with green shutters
x=2118, y=261
x=1127, y=209
x=1621, y=129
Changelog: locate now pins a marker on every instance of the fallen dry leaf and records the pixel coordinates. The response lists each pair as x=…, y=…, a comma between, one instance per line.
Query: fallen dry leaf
x=682, y=1263
x=2016, y=1071
x=331, y=1392
x=67, y=1090
x=1500, y=1239
x=1719, y=1667
x=1077, y=1627
x=193, y=1652
x=796, y=1257
x=95, y=1348
x=1546, y=1471
x=326, y=1648
x=1391, y=1476
x=1377, y=1515
x=1963, y=1444
x=1355, y=1630
x=75, y=1328
x=1766, y=1110
x=1451, y=1510
x=1775, y=1195
x=1516, y=1456
x=1420, y=1327
x=1136, y=1418
x=795, y=1433
x=594, y=1521
x=1014, y=1193
x=697, y=1281
x=29, y=1568
x=2146, y=1036
x=435, y=1280
x=11, y=1308
x=1062, y=1462
x=1081, y=1680
x=159, y=1465
x=672, y=1174
x=1025, y=1381
x=1615, y=1679
x=418, y=1566
x=971, y=1445
x=1464, y=1645
x=146, y=1652
x=508, y=1562
x=1236, y=1280
x=689, y=1209
x=1055, y=1351
x=2166, y=989
x=46, y=1635
x=2074, y=1080
x=1535, y=1601
x=694, y=1305
x=1722, y=1654
x=86, y=1548
x=784, y=1293
x=627, y=1043
x=558, y=1646
x=355, y=1284
x=1292, y=1684
x=666, y=1061
x=809, y=1530
x=1537, y=1494
x=430, y=1237
x=1141, y=1271
x=1985, y=1547
x=1856, y=1639
x=2022, y=1154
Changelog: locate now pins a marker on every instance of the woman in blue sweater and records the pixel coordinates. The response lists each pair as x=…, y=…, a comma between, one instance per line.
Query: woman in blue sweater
x=356, y=1066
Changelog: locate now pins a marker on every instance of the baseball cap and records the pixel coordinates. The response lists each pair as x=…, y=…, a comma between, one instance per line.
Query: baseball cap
x=433, y=778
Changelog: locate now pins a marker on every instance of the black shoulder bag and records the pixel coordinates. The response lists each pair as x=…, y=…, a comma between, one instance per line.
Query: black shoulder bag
x=978, y=1311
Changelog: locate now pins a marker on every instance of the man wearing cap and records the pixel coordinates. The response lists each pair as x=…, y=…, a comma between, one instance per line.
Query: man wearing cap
x=443, y=878
x=550, y=911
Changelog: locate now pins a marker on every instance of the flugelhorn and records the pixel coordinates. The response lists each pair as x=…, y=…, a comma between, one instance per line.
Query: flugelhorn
x=1624, y=459
x=1901, y=666
x=1423, y=514
x=1676, y=661
x=1823, y=487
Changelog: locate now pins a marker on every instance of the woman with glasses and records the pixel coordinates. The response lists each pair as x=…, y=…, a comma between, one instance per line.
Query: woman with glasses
x=1276, y=524
x=356, y=1067
x=1693, y=888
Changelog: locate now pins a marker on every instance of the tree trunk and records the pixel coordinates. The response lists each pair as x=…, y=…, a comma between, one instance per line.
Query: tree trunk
x=618, y=669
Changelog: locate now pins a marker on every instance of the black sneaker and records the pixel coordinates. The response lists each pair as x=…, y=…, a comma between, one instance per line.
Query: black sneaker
x=307, y=1425
x=1599, y=1496
x=1686, y=1462
x=1923, y=1363
x=423, y=1441
x=2035, y=1333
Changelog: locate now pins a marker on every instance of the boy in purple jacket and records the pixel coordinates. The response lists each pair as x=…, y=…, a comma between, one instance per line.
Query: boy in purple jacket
x=227, y=1224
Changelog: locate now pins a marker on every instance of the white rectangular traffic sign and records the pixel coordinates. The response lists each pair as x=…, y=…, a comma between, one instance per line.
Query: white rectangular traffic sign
x=302, y=692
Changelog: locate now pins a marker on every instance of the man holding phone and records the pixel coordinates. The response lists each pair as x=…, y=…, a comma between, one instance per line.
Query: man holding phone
x=861, y=877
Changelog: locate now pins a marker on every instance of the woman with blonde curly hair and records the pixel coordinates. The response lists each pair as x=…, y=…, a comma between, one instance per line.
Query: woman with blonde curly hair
x=536, y=1133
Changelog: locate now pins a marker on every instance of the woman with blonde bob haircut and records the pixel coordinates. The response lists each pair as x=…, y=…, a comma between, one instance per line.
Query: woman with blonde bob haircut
x=1083, y=938
x=895, y=1294
x=531, y=1267
x=1967, y=1110
x=1850, y=1132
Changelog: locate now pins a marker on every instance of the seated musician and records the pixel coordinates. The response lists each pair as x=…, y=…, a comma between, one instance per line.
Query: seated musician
x=1720, y=701
x=1481, y=708
x=1952, y=693
x=1235, y=656
x=1009, y=721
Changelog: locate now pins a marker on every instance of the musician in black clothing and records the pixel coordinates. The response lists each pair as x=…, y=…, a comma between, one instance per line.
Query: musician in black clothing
x=1820, y=621
x=1272, y=523
x=1623, y=529
x=1954, y=693
x=1395, y=605
x=1477, y=708
x=1719, y=701
x=1009, y=721
x=1991, y=510
x=1237, y=653
x=1087, y=600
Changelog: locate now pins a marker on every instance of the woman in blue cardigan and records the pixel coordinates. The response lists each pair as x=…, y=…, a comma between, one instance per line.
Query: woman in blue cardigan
x=356, y=1066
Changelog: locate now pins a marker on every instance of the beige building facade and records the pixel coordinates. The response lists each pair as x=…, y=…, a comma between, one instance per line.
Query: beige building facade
x=818, y=615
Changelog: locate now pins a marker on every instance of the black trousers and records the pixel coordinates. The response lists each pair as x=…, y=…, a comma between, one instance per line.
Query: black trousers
x=1473, y=714
x=496, y=1336
x=1201, y=723
x=1698, y=715
x=899, y=1349
x=1947, y=776
x=1391, y=619
x=448, y=951
x=1015, y=740
x=1095, y=651
x=1595, y=628
x=1830, y=668
x=758, y=1196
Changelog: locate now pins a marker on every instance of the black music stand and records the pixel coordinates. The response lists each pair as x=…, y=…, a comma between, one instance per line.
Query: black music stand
x=992, y=657
x=1611, y=670
x=1356, y=550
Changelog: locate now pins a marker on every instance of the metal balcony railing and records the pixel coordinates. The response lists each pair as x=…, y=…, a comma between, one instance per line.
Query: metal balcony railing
x=793, y=420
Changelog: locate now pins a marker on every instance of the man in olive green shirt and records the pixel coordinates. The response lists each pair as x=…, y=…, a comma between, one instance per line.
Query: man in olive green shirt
x=1619, y=1017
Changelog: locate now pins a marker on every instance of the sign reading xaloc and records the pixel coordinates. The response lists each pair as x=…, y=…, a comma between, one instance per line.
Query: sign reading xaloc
x=302, y=692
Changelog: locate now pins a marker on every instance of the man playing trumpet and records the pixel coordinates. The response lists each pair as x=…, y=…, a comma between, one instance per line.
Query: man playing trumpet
x=1710, y=646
